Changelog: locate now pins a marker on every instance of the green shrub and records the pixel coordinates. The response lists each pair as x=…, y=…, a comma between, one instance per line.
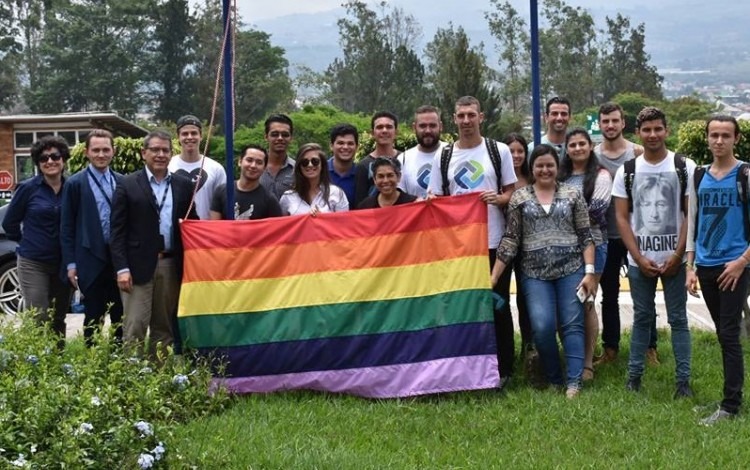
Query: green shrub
x=691, y=140
x=91, y=408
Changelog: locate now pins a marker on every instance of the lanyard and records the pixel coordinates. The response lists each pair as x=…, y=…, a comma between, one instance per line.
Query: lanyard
x=101, y=189
x=160, y=205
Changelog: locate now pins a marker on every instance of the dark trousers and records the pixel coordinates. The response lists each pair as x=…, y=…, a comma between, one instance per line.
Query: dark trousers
x=617, y=256
x=523, y=313
x=100, y=298
x=726, y=311
x=506, y=349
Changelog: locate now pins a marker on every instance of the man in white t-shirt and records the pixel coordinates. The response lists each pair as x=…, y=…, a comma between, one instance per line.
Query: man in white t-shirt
x=650, y=205
x=471, y=169
x=207, y=173
x=416, y=162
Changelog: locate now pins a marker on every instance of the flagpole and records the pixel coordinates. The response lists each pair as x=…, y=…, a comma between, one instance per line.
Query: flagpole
x=228, y=110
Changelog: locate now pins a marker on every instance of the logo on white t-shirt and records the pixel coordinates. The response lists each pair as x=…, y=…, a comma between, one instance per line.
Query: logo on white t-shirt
x=469, y=175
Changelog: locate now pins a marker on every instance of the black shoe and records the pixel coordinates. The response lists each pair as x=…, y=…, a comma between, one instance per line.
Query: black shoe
x=633, y=385
x=683, y=390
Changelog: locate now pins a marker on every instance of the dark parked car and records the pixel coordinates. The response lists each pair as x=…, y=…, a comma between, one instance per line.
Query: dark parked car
x=10, y=291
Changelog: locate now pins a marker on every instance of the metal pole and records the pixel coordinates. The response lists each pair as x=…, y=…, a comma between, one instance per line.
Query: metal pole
x=228, y=112
x=536, y=94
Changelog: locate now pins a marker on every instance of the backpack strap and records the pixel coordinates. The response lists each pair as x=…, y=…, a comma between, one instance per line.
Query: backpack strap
x=629, y=174
x=445, y=159
x=681, y=168
x=698, y=175
x=494, y=154
x=742, y=187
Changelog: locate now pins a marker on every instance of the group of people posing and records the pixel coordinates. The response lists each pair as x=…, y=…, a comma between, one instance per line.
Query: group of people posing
x=565, y=215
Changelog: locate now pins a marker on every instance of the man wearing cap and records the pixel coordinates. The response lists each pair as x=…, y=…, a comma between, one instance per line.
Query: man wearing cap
x=207, y=173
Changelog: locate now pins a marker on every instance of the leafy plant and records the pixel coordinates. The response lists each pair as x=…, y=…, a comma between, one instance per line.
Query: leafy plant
x=99, y=408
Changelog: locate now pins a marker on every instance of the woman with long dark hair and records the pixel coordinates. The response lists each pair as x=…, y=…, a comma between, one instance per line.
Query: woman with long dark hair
x=313, y=192
x=580, y=168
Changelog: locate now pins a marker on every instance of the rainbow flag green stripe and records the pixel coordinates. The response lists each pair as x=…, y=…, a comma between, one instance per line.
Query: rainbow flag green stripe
x=337, y=320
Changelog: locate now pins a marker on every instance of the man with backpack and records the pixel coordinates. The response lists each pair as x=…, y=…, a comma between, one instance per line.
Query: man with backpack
x=478, y=164
x=650, y=204
x=718, y=252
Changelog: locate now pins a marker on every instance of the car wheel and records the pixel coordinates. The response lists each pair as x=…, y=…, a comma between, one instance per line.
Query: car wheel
x=10, y=289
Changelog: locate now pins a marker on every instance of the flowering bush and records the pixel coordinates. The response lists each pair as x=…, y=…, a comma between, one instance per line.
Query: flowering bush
x=96, y=408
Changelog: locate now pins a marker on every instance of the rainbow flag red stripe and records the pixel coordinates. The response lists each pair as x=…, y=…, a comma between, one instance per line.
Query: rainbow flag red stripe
x=379, y=303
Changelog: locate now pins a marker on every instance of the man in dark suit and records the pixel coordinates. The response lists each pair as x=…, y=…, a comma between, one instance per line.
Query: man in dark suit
x=85, y=233
x=147, y=247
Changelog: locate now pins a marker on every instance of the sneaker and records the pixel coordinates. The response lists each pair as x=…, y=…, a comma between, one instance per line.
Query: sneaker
x=609, y=355
x=633, y=385
x=572, y=392
x=652, y=357
x=716, y=416
x=683, y=390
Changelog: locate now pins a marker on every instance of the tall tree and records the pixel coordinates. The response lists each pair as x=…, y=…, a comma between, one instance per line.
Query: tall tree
x=10, y=50
x=92, y=56
x=569, y=54
x=170, y=59
x=510, y=30
x=378, y=62
x=261, y=78
x=455, y=68
x=625, y=63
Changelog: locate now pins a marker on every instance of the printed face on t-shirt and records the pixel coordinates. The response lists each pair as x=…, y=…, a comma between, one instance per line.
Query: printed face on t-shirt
x=654, y=207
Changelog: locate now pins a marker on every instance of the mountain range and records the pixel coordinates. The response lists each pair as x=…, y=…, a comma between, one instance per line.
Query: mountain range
x=688, y=35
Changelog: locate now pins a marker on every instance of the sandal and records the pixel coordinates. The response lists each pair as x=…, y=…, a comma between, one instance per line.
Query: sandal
x=588, y=374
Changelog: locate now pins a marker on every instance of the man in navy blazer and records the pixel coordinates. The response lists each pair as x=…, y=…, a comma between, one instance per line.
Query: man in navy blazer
x=85, y=233
x=146, y=245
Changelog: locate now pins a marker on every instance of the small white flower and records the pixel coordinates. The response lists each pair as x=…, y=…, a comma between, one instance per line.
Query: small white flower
x=144, y=428
x=145, y=371
x=20, y=461
x=32, y=359
x=33, y=448
x=85, y=428
x=133, y=360
x=145, y=461
x=96, y=401
x=180, y=381
x=158, y=451
x=2, y=338
x=68, y=370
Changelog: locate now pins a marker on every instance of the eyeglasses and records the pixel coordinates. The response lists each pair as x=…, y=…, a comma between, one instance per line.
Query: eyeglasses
x=158, y=150
x=55, y=157
x=277, y=134
x=313, y=162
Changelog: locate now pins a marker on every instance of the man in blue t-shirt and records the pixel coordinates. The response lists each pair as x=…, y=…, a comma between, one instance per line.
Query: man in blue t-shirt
x=341, y=167
x=718, y=254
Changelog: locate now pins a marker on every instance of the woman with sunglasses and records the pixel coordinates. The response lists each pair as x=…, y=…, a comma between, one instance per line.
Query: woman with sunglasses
x=33, y=219
x=313, y=192
x=386, y=174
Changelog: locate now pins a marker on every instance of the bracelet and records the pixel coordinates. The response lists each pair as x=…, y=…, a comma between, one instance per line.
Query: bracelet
x=589, y=269
x=745, y=258
x=690, y=266
x=677, y=256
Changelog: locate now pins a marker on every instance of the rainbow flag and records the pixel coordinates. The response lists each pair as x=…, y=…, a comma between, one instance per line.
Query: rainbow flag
x=378, y=303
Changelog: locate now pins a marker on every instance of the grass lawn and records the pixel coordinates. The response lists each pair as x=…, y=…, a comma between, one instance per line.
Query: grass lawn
x=604, y=427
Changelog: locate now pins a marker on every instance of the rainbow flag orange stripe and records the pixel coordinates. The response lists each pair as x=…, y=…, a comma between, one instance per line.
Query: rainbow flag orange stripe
x=379, y=303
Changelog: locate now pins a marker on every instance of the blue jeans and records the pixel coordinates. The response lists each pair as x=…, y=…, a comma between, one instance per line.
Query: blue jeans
x=643, y=291
x=553, y=305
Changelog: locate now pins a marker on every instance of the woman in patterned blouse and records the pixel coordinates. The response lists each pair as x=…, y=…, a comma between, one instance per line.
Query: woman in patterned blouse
x=548, y=227
x=580, y=168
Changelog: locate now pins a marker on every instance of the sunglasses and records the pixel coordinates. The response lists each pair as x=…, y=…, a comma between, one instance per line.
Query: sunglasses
x=55, y=157
x=313, y=162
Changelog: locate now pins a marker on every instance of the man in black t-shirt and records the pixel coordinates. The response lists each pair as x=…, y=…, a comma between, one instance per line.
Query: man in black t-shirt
x=251, y=200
